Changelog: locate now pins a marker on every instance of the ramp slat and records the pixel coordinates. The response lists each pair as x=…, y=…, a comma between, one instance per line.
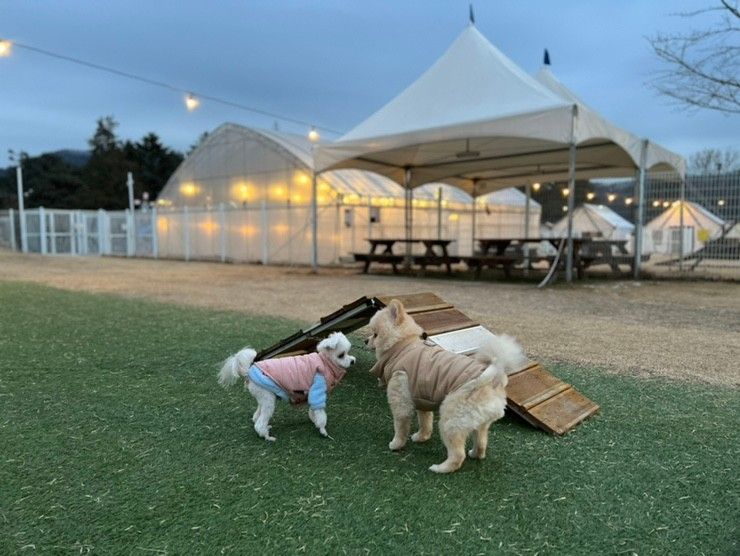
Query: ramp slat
x=563, y=411
x=444, y=320
x=533, y=385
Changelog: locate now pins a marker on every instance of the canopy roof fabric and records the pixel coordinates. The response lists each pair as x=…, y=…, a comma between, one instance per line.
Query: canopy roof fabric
x=476, y=120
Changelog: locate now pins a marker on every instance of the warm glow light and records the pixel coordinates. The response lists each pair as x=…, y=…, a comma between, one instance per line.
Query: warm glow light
x=313, y=135
x=590, y=195
x=278, y=192
x=611, y=197
x=248, y=231
x=302, y=178
x=191, y=103
x=189, y=189
x=6, y=48
x=566, y=192
x=656, y=203
x=721, y=202
x=454, y=217
x=281, y=228
x=666, y=204
x=628, y=201
x=535, y=186
x=163, y=224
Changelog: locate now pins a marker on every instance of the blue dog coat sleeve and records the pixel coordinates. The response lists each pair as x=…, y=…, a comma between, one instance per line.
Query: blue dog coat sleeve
x=317, y=393
x=260, y=379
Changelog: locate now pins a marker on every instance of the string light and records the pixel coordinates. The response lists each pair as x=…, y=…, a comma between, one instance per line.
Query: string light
x=566, y=191
x=656, y=203
x=611, y=197
x=6, y=48
x=666, y=204
x=313, y=135
x=565, y=208
x=191, y=103
x=721, y=202
x=6, y=45
x=628, y=201
x=536, y=186
x=590, y=195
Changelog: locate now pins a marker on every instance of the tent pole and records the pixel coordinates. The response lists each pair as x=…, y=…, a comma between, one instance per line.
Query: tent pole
x=528, y=192
x=408, y=216
x=473, y=219
x=571, y=197
x=640, y=210
x=314, y=225
x=439, y=212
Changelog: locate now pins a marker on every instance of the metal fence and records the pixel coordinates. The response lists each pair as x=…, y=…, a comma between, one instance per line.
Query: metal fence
x=691, y=228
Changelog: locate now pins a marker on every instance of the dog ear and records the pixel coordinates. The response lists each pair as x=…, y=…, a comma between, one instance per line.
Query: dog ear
x=397, y=313
x=329, y=343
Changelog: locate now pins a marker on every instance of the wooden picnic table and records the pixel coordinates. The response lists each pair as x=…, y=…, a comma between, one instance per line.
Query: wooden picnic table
x=585, y=250
x=435, y=253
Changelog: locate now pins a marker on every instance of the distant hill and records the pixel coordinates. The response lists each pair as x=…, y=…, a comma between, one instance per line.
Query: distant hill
x=76, y=158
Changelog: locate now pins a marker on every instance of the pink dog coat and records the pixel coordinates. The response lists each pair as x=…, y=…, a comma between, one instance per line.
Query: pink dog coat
x=296, y=374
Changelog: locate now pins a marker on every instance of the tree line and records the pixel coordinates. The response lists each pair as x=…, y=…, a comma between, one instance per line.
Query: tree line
x=97, y=179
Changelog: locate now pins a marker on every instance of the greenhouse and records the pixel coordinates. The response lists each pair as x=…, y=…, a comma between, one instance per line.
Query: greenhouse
x=244, y=194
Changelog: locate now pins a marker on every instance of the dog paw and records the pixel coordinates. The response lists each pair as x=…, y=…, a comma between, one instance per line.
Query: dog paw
x=473, y=454
x=270, y=438
x=418, y=437
x=438, y=468
x=396, y=444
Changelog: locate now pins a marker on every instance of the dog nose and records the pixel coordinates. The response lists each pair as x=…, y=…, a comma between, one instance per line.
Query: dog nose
x=352, y=361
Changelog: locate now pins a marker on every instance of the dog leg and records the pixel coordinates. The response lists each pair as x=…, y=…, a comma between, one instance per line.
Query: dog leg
x=480, y=442
x=426, y=424
x=266, y=407
x=256, y=413
x=318, y=418
x=455, y=443
x=402, y=408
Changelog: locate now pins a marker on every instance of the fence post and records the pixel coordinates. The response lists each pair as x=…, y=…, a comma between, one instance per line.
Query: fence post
x=528, y=193
x=73, y=233
x=21, y=209
x=682, y=202
x=11, y=218
x=439, y=212
x=186, y=231
x=266, y=232
x=42, y=231
x=222, y=229
x=102, y=235
x=155, y=233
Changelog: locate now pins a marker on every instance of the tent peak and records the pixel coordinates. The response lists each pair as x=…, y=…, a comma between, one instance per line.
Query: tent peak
x=546, y=61
x=471, y=14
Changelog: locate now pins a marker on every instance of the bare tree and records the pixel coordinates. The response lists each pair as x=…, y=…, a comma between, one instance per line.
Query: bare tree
x=714, y=161
x=703, y=66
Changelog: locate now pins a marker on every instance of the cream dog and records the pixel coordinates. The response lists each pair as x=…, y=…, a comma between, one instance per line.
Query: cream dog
x=470, y=392
x=298, y=379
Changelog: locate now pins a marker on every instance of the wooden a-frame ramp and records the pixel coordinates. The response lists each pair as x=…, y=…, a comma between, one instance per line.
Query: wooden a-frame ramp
x=533, y=393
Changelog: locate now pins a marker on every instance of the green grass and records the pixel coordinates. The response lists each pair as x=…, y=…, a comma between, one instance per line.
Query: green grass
x=116, y=439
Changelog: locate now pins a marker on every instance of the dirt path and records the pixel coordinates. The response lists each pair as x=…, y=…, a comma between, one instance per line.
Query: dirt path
x=683, y=330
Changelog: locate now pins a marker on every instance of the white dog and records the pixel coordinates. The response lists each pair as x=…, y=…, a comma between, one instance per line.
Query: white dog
x=299, y=379
x=469, y=392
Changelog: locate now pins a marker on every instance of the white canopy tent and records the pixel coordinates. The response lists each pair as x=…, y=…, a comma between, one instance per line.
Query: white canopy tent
x=476, y=120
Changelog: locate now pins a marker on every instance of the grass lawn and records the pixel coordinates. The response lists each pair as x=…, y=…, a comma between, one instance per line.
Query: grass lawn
x=116, y=439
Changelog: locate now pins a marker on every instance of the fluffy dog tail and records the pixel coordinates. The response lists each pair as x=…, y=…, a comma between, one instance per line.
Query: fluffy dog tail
x=236, y=366
x=502, y=354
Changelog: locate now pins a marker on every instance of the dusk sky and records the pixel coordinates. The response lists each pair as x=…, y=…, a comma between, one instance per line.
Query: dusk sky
x=329, y=62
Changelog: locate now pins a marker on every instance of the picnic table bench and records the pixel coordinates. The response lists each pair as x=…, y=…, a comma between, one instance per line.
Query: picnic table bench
x=435, y=253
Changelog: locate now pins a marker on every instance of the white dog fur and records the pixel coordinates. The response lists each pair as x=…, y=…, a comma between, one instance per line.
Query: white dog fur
x=472, y=408
x=336, y=346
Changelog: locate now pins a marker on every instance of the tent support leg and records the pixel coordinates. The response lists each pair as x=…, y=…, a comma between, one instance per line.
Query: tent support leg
x=528, y=192
x=640, y=211
x=314, y=225
x=682, y=202
x=571, y=207
x=408, y=219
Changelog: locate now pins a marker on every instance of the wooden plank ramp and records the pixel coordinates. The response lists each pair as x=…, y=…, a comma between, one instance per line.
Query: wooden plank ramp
x=533, y=393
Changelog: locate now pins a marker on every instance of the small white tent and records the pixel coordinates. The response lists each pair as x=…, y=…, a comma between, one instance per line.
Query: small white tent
x=663, y=233
x=597, y=221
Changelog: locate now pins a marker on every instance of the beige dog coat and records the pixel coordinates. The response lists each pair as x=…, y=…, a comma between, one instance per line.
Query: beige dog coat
x=433, y=372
